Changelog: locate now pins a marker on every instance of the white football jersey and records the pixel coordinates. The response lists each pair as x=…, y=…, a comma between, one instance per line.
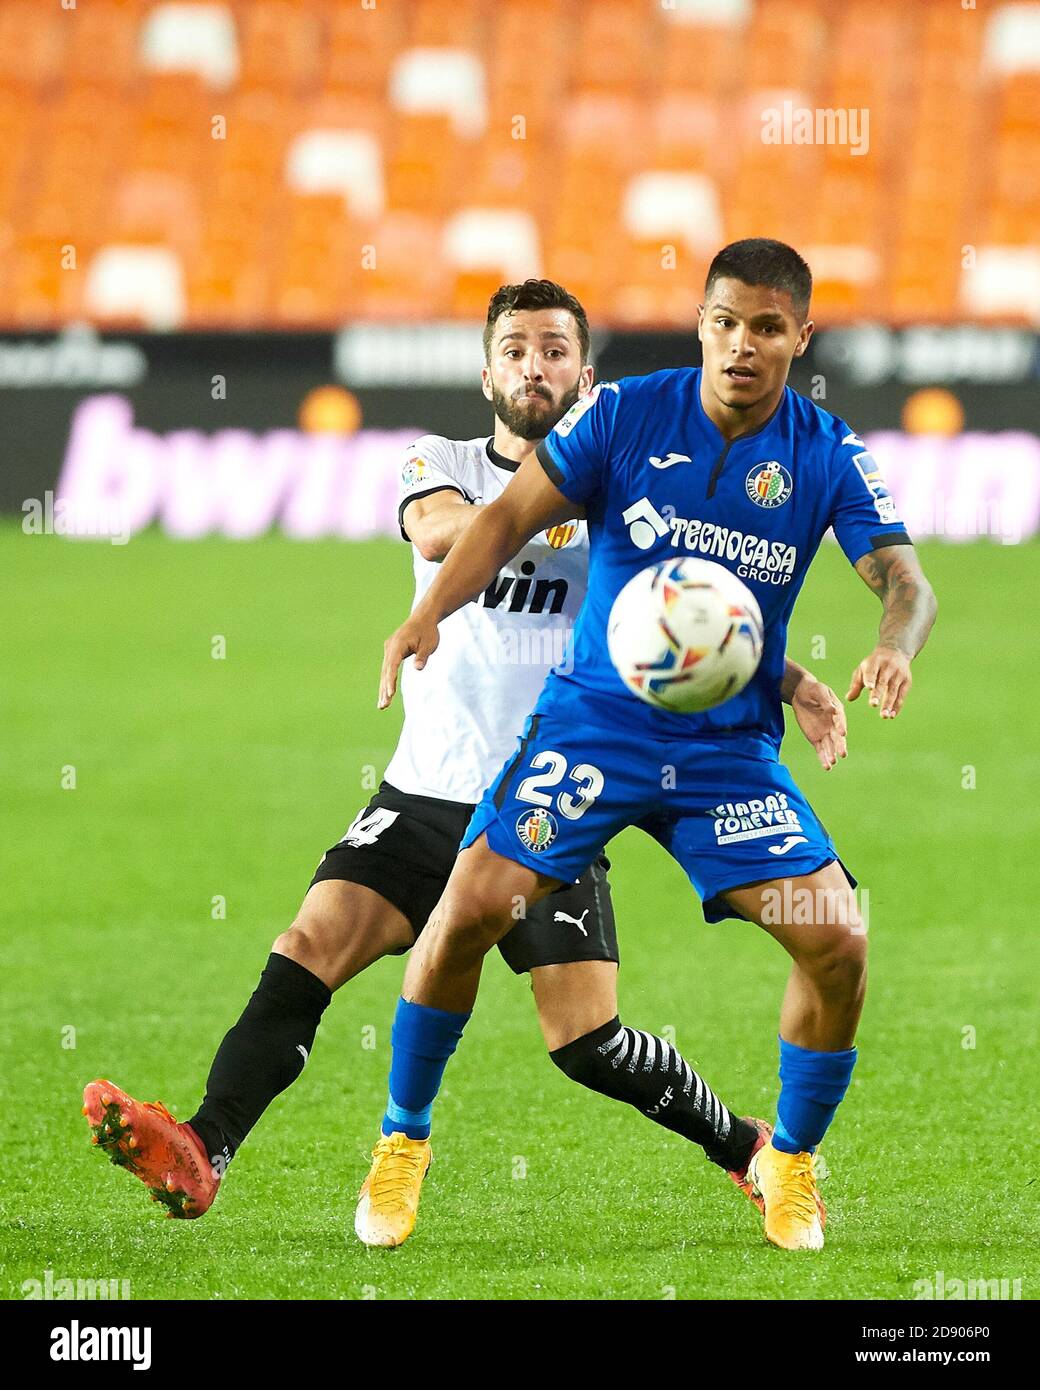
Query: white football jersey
x=465, y=710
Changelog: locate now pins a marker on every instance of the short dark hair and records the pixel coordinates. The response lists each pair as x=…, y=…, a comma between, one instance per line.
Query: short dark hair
x=535, y=294
x=761, y=261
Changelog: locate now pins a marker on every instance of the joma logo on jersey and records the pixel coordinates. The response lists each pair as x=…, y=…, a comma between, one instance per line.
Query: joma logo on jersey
x=768, y=562
x=523, y=598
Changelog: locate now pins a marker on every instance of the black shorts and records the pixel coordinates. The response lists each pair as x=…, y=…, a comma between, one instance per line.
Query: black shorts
x=403, y=847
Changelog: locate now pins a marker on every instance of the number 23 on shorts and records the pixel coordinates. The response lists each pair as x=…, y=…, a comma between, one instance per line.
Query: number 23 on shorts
x=588, y=784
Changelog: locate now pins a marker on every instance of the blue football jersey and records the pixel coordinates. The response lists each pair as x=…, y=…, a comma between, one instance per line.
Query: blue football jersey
x=658, y=480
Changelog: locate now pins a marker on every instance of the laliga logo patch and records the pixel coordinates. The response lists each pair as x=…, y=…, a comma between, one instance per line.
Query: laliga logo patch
x=563, y=427
x=537, y=829
x=769, y=484
x=559, y=536
x=413, y=472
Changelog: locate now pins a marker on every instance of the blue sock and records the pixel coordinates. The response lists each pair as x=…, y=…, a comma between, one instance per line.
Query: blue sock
x=422, y=1040
x=812, y=1086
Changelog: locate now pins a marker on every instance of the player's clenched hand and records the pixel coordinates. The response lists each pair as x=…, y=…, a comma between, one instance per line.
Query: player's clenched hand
x=821, y=718
x=417, y=637
x=886, y=674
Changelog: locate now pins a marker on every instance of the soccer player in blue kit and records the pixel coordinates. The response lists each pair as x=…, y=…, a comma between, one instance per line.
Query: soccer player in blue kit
x=725, y=462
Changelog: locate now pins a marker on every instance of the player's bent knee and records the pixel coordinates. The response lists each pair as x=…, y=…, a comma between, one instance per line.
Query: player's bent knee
x=464, y=931
x=841, y=968
x=340, y=929
x=493, y=887
x=472, y=915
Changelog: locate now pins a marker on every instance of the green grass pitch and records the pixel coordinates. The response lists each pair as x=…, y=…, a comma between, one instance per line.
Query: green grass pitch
x=197, y=777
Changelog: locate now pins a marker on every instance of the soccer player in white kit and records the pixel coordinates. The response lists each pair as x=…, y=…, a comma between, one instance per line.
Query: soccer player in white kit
x=375, y=889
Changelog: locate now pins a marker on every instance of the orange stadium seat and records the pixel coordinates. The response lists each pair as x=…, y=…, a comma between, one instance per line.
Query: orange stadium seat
x=182, y=98
x=685, y=132
x=784, y=45
x=1008, y=225
x=32, y=45
x=922, y=277
x=531, y=86
x=434, y=24
x=1019, y=104
x=769, y=193
x=348, y=163
x=278, y=46
x=88, y=110
x=43, y=293
x=227, y=284
x=397, y=278
x=680, y=209
x=101, y=45
x=532, y=44
x=135, y=287
x=651, y=293
x=698, y=57
x=470, y=292
x=510, y=174
x=484, y=248
x=358, y=47
x=589, y=269
x=176, y=37
x=319, y=244
x=156, y=207
x=426, y=165
x=309, y=289
x=71, y=213
x=848, y=210
x=614, y=51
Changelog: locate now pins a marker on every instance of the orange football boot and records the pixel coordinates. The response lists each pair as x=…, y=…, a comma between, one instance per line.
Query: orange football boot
x=143, y=1137
x=740, y=1177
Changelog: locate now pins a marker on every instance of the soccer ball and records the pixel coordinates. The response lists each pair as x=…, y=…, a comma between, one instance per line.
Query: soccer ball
x=685, y=635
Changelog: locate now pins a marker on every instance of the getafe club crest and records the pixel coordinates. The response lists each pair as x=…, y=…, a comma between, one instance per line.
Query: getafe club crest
x=537, y=829
x=559, y=536
x=769, y=484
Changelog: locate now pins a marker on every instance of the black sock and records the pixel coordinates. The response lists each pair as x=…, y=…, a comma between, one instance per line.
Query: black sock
x=650, y=1074
x=262, y=1055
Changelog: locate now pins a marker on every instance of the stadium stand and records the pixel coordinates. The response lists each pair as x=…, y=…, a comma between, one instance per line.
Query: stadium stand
x=300, y=162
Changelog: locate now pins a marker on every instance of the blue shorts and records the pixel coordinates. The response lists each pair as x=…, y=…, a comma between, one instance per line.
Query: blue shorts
x=726, y=810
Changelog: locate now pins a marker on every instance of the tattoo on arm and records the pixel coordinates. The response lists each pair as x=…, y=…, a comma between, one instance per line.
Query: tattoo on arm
x=894, y=573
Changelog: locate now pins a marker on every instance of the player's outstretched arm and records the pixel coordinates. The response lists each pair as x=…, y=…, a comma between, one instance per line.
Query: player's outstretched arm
x=894, y=573
x=433, y=524
x=528, y=505
x=819, y=712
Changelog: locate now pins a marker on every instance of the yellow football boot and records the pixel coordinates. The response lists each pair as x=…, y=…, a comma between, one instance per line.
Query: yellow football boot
x=389, y=1196
x=794, y=1213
